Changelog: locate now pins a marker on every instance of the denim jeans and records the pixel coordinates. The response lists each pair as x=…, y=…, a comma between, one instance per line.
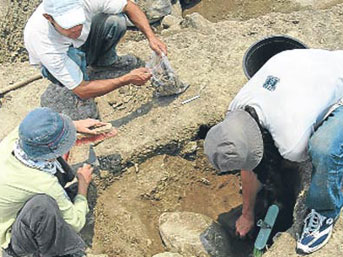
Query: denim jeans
x=326, y=151
x=99, y=49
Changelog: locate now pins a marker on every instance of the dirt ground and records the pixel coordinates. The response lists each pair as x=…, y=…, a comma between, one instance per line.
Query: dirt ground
x=161, y=184
x=129, y=204
x=218, y=10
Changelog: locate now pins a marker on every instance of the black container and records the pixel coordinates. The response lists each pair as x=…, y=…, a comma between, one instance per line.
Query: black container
x=261, y=51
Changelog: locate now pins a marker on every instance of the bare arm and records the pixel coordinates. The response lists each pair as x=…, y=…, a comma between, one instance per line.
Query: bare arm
x=137, y=16
x=250, y=187
x=84, y=175
x=90, y=89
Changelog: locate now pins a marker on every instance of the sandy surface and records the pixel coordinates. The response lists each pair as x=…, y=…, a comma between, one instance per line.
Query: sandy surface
x=129, y=205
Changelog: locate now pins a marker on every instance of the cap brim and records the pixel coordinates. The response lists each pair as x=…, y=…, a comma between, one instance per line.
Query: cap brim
x=235, y=143
x=71, y=18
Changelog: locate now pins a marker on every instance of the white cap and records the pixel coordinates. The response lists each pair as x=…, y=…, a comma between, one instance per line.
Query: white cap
x=67, y=13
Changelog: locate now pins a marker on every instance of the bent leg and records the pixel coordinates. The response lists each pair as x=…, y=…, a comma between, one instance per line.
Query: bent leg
x=40, y=228
x=106, y=31
x=326, y=151
x=78, y=56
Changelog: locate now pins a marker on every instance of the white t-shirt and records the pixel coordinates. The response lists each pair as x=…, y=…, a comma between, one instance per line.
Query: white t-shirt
x=49, y=48
x=292, y=93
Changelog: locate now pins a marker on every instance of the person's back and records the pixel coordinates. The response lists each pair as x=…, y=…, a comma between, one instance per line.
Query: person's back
x=18, y=183
x=291, y=93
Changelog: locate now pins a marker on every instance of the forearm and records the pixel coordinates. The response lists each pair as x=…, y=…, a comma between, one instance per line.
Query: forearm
x=90, y=89
x=250, y=187
x=138, y=18
x=82, y=189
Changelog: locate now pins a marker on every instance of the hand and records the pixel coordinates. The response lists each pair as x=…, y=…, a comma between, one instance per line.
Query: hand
x=139, y=76
x=243, y=225
x=96, y=138
x=83, y=126
x=84, y=176
x=158, y=46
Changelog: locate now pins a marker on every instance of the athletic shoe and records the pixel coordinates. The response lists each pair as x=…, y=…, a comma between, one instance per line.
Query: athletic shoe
x=316, y=232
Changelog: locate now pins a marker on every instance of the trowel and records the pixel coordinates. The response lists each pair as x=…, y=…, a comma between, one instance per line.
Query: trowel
x=266, y=227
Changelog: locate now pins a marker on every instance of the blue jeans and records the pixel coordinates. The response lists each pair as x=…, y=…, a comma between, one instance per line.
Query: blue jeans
x=99, y=49
x=326, y=151
x=78, y=56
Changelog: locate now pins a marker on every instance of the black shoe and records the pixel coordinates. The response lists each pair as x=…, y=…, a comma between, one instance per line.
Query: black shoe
x=124, y=62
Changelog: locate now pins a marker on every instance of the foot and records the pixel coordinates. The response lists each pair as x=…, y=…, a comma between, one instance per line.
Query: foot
x=244, y=225
x=316, y=233
x=124, y=62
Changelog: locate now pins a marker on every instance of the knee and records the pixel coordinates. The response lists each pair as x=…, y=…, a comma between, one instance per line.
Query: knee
x=117, y=21
x=42, y=203
x=323, y=148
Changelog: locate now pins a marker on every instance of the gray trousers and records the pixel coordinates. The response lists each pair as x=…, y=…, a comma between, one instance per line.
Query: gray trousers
x=106, y=31
x=39, y=229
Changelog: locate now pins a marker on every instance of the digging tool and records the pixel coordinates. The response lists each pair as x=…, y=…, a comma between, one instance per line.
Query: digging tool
x=194, y=97
x=266, y=227
x=20, y=84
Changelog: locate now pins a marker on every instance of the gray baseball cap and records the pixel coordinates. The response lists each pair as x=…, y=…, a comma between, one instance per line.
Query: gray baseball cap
x=235, y=143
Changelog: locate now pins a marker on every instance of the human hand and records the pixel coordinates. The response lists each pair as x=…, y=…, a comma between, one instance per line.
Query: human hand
x=96, y=138
x=244, y=225
x=83, y=126
x=84, y=176
x=158, y=46
x=139, y=76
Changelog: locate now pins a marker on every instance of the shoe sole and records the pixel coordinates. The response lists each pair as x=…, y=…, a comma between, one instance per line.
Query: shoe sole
x=305, y=251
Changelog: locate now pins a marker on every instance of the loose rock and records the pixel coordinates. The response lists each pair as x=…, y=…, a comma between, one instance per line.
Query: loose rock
x=63, y=100
x=193, y=234
x=169, y=21
x=155, y=10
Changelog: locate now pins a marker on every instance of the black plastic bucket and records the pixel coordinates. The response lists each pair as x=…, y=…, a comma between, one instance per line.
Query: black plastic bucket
x=261, y=51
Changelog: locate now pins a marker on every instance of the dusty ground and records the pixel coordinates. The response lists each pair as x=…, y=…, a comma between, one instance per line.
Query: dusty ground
x=218, y=10
x=143, y=193
x=129, y=205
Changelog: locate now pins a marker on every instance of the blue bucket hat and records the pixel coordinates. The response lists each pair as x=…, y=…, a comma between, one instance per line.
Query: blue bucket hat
x=45, y=134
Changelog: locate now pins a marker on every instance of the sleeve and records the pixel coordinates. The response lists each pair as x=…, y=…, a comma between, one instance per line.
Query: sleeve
x=73, y=213
x=111, y=7
x=63, y=68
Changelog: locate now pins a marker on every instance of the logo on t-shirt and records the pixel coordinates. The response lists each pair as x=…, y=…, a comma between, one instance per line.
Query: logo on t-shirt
x=270, y=83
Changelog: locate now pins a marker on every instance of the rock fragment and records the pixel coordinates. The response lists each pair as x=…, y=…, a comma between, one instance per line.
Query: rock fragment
x=193, y=234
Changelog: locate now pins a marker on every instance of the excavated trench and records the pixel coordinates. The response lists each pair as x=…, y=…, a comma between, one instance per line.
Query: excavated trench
x=156, y=163
x=176, y=177
x=136, y=186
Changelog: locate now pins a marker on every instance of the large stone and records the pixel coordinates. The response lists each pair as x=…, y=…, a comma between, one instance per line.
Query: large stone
x=63, y=100
x=170, y=20
x=196, y=21
x=193, y=234
x=155, y=10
